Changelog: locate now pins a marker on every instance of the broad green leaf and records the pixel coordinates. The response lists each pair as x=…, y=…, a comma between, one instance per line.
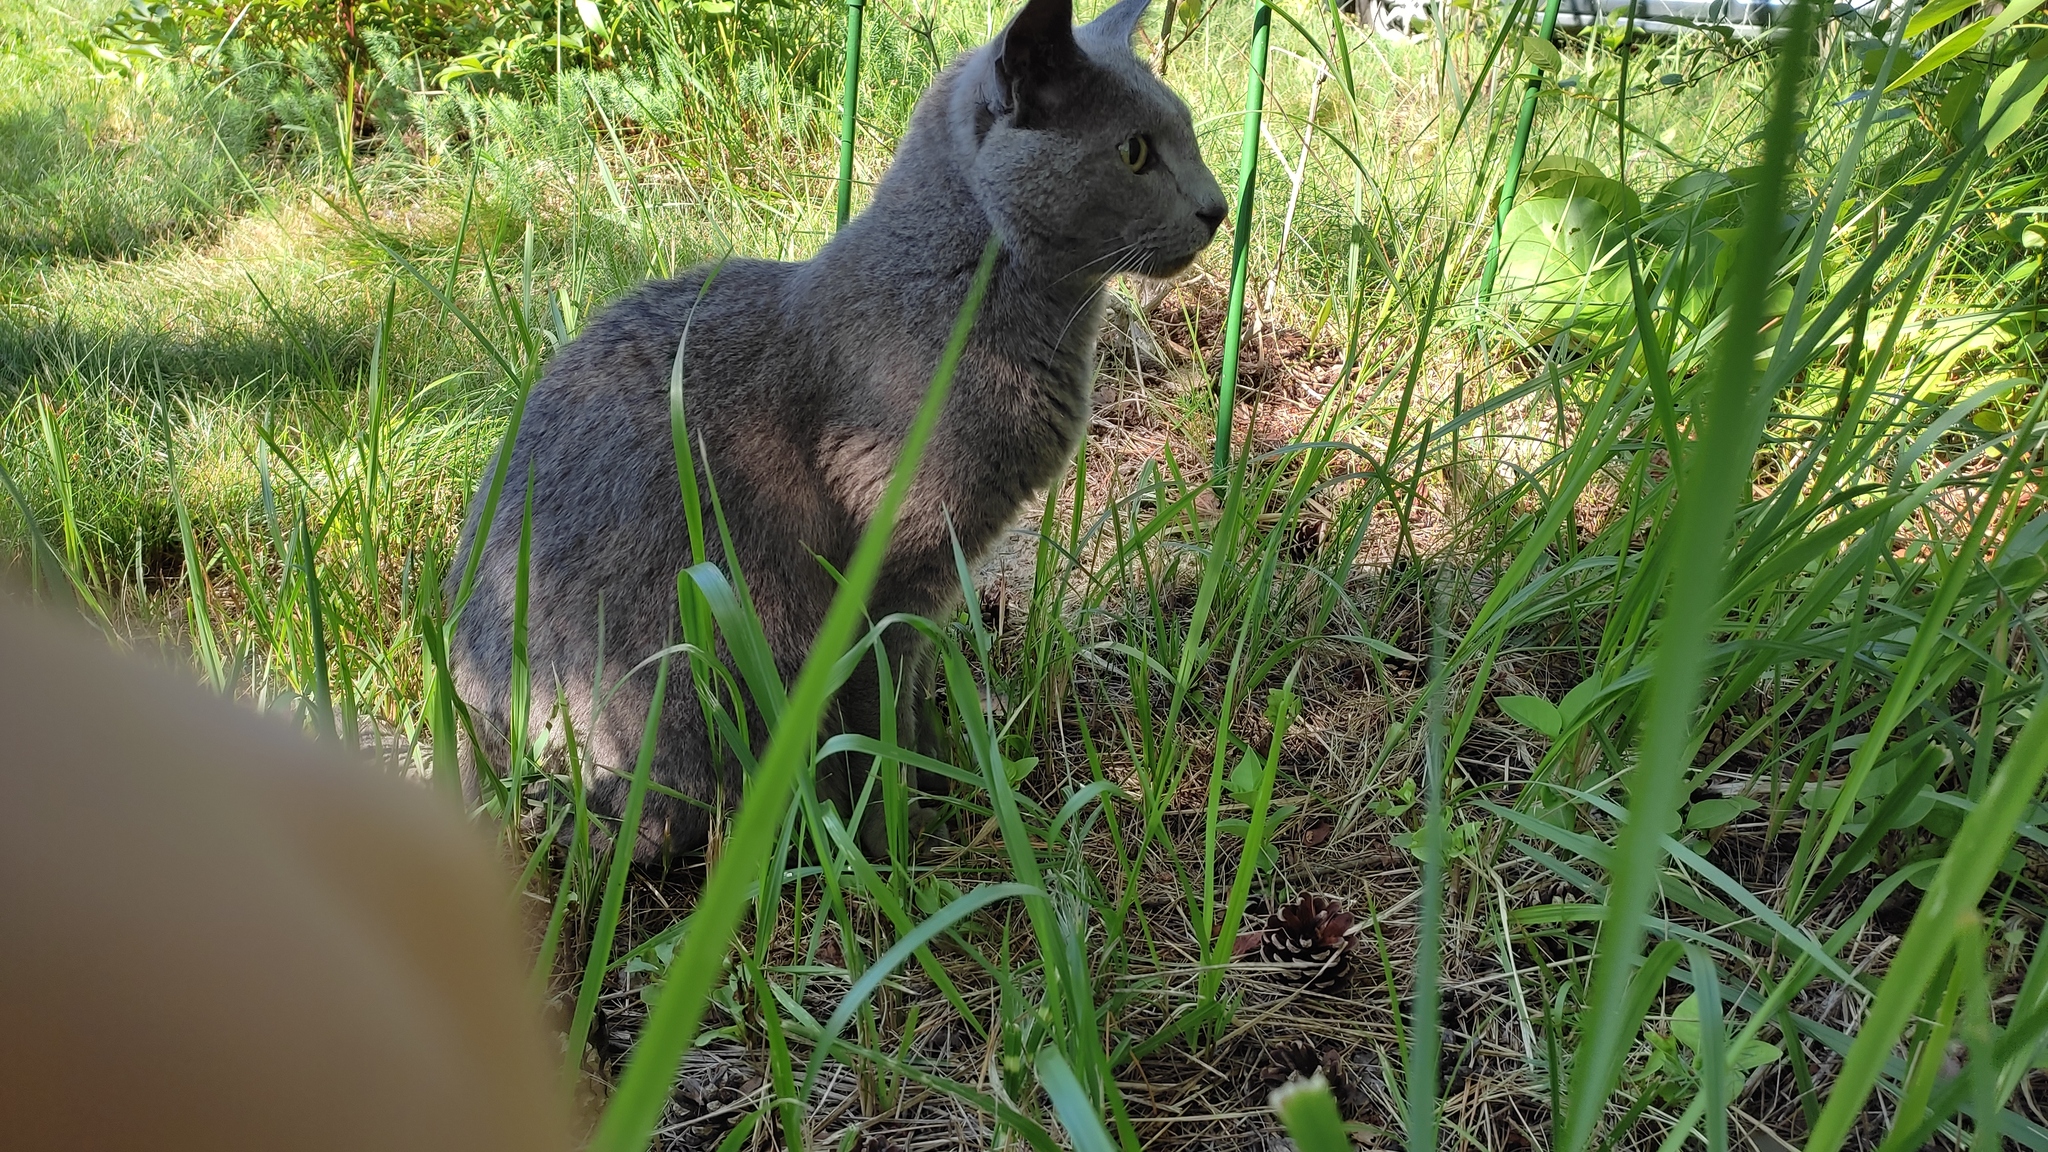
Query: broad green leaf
x=1755, y=1054
x=1939, y=12
x=1957, y=100
x=1918, y=808
x=1557, y=260
x=1542, y=54
x=1716, y=812
x=1244, y=779
x=1706, y=186
x=1619, y=199
x=933, y=892
x=1685, y=1028
x=2011, y=100
x=1559, y=163
x=592, y=18
x=1577, y=700
x=2012, y=14
x=1953, y=45
x=1532, y=712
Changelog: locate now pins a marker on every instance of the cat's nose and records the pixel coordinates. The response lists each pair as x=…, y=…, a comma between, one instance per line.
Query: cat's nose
x=1212, y=216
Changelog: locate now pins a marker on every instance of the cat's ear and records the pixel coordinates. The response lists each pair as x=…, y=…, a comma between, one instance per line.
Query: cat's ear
x=1035, y=56
x=1111, y=32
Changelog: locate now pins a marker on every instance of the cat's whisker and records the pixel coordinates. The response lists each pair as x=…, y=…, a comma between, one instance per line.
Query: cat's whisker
x=1114, y=256
x=1085, y=305
x=1125, y=261
x=1128, y=259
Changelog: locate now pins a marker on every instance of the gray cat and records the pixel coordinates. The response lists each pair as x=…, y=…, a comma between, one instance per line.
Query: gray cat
x=801, y=381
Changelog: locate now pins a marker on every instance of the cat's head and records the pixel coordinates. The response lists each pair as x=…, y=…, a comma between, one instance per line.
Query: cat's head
x=1085, y=160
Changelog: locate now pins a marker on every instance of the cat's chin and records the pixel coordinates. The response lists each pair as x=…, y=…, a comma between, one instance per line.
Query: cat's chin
x=1168, y=268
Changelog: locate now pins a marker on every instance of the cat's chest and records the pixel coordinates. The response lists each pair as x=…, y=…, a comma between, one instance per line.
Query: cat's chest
x=1044, y=404
x=1051, y=378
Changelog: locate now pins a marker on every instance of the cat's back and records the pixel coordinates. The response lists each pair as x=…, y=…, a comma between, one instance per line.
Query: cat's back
x=595, y=439
x=730, y=319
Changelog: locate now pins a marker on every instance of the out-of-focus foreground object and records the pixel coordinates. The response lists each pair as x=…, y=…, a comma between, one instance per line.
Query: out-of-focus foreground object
x=217, y=935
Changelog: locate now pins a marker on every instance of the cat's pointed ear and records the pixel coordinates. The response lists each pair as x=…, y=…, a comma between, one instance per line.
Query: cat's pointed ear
x=1035, y=53
x=1112, y=31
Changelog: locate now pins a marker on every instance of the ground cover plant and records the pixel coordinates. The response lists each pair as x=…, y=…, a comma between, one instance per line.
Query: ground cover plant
x=1597, y=712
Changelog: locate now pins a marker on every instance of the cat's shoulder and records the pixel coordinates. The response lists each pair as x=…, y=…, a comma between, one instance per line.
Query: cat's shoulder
x=735, y=286
x=732, y=314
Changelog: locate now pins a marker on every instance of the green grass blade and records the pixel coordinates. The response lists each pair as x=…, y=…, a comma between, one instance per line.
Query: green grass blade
x=1309, y=1111
x=519, y=727
x=197, y=611
x=1713, y=1065
x=887, y=963
x=679, y=434
x=1071, y=1103
x=54, y=573
x=787, y=1103
x=579, y=855
x=1421, y=1059
x=628, y=1122
x=1949, y=906
x=1712, y=480
x=315, y=607
x=441, y=704
x=624, y=842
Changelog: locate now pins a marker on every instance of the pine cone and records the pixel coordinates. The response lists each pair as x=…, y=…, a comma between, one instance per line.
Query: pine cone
x=1299, y=1060
x=1295, y=1060
x=1310, y=939
x=1291, y=1060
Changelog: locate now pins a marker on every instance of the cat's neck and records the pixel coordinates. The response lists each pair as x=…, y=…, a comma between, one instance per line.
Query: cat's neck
x=929, y=235
x=910, y=254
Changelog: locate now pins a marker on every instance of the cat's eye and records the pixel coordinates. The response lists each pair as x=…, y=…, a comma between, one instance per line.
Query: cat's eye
x=1136, y=152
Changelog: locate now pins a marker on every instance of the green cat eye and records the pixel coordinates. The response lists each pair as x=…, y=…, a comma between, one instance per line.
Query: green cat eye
x=1137, y=152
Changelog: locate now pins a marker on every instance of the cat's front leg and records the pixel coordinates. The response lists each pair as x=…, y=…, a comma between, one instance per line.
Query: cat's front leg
x=859, y=708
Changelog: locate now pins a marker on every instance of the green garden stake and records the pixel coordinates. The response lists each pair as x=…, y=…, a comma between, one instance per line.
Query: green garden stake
x=849, y=108
x=1513, y=177
x=1241, y=236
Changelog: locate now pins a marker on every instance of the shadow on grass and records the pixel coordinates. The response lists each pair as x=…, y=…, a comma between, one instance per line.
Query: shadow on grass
x=256, y=360
x=108, y=395
x=78, y=182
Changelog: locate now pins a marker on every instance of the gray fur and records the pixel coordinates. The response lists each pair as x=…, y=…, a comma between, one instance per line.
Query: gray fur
x=800, y=382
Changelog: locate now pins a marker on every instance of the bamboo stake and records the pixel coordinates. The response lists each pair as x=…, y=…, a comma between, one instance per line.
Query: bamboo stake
x=1241, y=236
x=849, y=108
x=1513, y=177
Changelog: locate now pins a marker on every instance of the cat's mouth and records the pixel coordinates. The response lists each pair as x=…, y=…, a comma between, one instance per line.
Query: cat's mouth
x=1161, y=266
x=1161, y=262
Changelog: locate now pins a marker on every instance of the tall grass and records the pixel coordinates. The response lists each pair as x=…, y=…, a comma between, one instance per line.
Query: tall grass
x=1668, y=623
